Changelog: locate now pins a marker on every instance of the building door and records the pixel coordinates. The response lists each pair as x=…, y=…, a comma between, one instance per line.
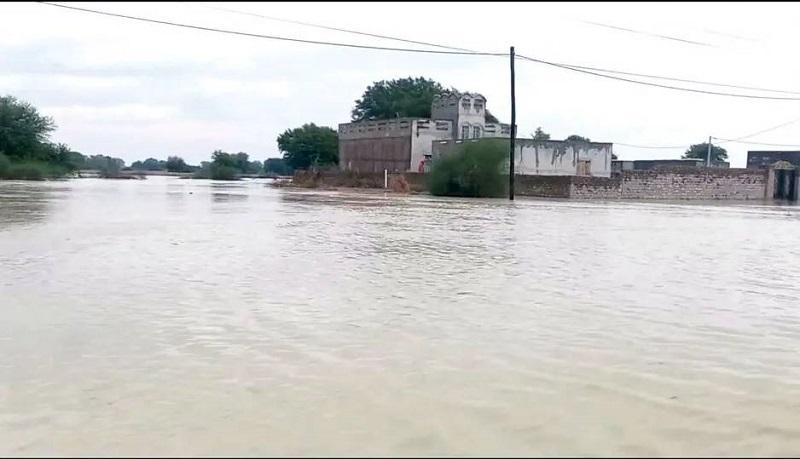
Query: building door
x=584, y=167
x=786, y=186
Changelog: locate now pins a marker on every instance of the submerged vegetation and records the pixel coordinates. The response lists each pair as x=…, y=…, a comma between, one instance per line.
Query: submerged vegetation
x=474, y=169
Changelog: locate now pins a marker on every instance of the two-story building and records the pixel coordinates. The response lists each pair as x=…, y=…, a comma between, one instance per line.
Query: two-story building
x=404, y=144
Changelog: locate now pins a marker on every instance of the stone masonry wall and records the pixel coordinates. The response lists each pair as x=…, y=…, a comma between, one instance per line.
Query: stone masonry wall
x=595, y=188
x=672, y=184
x=542, y=186
x=697, y=184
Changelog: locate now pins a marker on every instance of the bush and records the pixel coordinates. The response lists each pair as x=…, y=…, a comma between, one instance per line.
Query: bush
x=220, y=172
x=5, y=164
x=29, y=170
x=473, y=170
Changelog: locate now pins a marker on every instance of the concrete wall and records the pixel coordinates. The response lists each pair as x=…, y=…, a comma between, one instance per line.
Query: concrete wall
x=764, y=159
x=551, y=157
x=395, y=145
x=424, y=133
x=372, y=146
x=468, y=110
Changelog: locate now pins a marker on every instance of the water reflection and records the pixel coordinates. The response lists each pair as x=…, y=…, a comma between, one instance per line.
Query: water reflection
x=23, y=203
x=185, y=317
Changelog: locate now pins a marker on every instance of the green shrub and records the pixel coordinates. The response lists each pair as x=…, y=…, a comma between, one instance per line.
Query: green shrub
x=31, y=170
x=220, y=172
x=5, y=164
x=474, y=169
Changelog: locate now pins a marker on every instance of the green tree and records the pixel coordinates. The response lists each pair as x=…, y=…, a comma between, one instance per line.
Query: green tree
x=176, y=164
x=23, y=130
x=223, y=166
x=242, y=162
x=255, y=167
x=277, y=166
x=402, y=97
x=700, y=151
x=474, y=169
x=149, y=164
x=540, y=135
x=309, y=146
x=106, y=165
x=577, y=138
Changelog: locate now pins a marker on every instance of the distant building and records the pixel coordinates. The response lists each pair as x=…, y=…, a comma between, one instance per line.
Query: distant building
x=404, y=144
x=618, y=166
x=551, y=157
x=765, y=159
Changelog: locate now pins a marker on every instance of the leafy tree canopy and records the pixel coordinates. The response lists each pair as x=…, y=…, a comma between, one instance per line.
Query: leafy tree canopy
x=23, y=131
x=309, y=146
x=700, y=151
x=400, y=98
x=539, y=134
x=577, y=138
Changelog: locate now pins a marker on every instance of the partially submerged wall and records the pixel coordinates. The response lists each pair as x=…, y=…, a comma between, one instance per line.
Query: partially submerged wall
x=706, y=183
x=675, y=184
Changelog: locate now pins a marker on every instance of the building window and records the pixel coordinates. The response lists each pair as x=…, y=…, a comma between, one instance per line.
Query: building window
x=465, y=104
x=464, y=132
x=478, y=106
x=476, y=132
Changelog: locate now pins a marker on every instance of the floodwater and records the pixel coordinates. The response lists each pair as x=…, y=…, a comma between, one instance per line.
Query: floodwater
x=184, y=317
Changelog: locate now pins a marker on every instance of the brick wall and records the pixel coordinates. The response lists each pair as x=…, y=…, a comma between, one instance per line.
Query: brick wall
x=595, y=188
x=734, y=184
x=672, y=184
x=543, y=186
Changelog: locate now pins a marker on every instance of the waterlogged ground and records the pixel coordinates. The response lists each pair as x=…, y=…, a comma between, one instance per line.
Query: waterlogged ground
x=186, y=317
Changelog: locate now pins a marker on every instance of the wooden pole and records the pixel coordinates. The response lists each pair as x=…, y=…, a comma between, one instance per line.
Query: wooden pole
x=513, y=132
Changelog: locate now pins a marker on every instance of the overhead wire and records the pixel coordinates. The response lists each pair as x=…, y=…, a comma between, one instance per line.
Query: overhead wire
x=463, y=51
x=337, y=29
x=270, y=37
x=437, y=45
x=646, y=83
x=762, y=131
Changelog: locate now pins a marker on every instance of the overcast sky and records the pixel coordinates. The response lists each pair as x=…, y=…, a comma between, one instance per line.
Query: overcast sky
x=133, y=90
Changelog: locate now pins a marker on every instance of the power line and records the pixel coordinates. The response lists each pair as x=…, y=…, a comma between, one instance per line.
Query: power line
x=337, y=29
x=454, y=51
x=763, y=131
x=759, y=143
x=387, y=37
x=684, y=80
x=646, y=83
x=667, y=37
x=674, y=147
x=269, y=37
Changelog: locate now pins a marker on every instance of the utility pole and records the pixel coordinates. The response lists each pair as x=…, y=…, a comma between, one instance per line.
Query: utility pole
x=513, y=131
x=708, y=155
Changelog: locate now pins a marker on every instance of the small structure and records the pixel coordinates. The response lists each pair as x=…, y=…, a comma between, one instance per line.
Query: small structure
x=618, y=166
x=783, y=181
x=765, y=159
x=551, y=157
x=405, y=144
